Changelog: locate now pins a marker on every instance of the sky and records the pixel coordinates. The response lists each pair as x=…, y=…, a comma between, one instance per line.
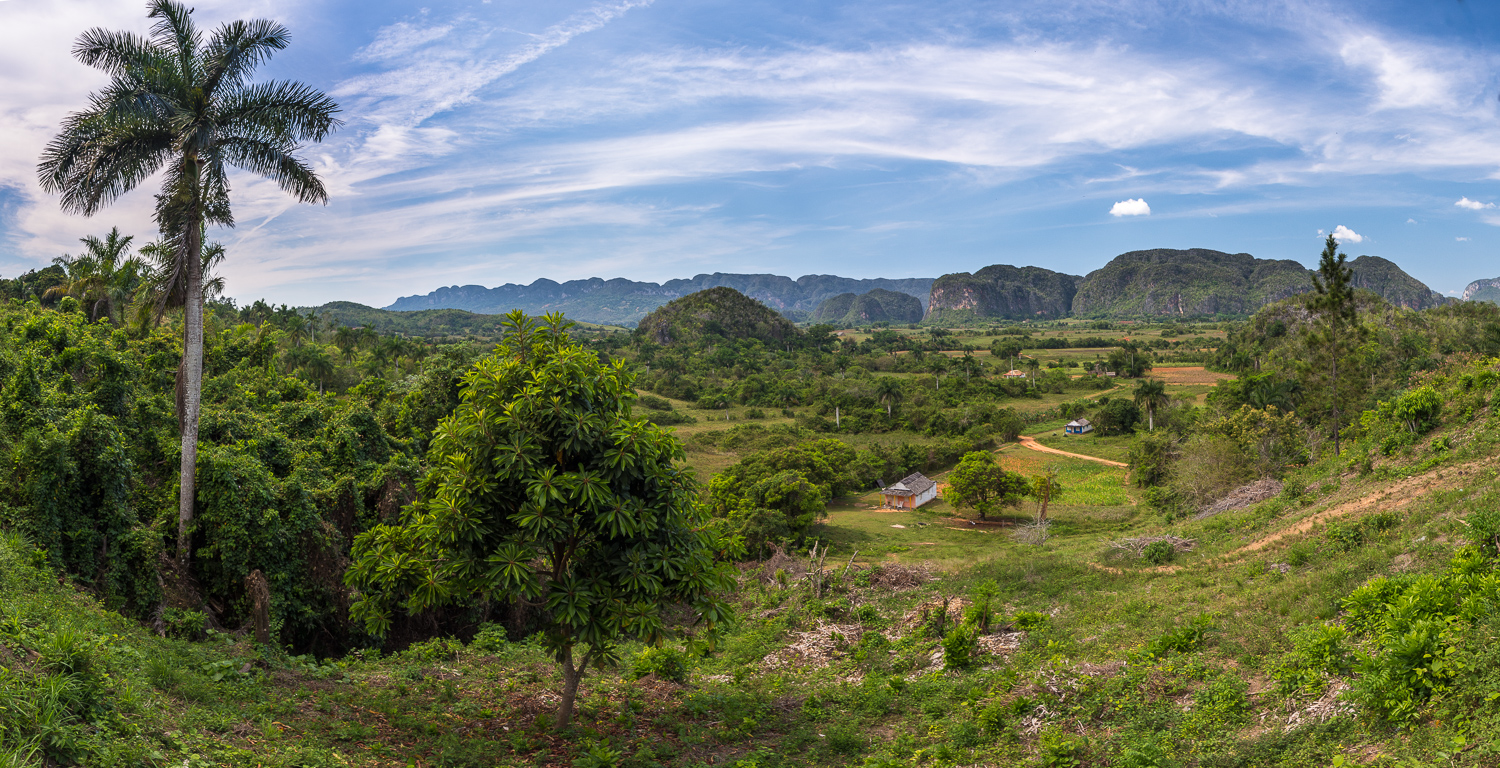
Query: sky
x=499, y=141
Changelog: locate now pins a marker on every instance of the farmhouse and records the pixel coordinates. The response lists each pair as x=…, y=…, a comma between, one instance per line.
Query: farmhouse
x=1013, y=374
x=913, y=491
x=1079, y=427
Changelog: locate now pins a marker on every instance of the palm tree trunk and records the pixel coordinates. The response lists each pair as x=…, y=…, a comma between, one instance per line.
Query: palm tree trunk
x=192, y=359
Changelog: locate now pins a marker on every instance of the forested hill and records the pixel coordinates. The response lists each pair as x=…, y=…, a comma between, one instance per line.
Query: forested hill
x=1483, y=290
x=625, y=302
x=1157, y=282
x=425, y=323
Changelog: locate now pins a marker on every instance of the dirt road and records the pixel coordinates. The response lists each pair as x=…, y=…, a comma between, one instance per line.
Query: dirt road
x=1030, y=442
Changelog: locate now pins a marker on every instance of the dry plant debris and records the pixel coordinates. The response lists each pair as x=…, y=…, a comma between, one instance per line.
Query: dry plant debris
x=1242, y=497
x=1138, y=544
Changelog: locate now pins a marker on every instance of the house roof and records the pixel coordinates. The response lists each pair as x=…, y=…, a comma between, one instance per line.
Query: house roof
x=1013, y=373
x=1079, y=423
x=911, y=485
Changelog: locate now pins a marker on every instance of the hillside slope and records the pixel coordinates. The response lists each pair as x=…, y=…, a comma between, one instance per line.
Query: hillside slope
x=1483, y=290
x=1003, y=291
x=717, y=312
x=879, y=305
x=625, y=302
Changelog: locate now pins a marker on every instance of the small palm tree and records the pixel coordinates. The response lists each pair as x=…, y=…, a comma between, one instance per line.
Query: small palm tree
x=184, y=105
x=1033, y=366
x=102, y=277
x=1151, y=394
x=163, y=284
x=347, y=340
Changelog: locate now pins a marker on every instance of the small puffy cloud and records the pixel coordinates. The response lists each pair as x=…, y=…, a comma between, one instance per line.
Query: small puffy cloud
x=1344, y=234
x=1473, y=205
x=1411, y=221
x=1136, y=207
x=1462, y=239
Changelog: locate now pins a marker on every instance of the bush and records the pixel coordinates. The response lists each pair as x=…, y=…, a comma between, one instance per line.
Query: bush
x=1029, y=621
x=959, y=647
x=665, y=662
x=490, y=639
x=1159, y=552
x=1184, y=639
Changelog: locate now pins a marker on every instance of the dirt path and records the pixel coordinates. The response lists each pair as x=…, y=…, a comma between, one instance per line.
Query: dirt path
x=1030, y=442
x=1392, y=497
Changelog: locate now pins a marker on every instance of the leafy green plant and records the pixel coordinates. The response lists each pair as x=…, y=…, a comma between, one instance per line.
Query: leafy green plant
x=1029, y=621
x=1159, y=552
x=1184, y=639
x=959, y=647
x=666, y=662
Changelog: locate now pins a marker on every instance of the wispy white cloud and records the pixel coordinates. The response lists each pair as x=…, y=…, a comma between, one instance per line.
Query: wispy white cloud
x=1136, y=207
x=1473, y=205
x=1462, y=239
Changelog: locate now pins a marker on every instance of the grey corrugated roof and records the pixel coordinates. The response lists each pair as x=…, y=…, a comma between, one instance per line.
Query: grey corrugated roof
x=913, y=485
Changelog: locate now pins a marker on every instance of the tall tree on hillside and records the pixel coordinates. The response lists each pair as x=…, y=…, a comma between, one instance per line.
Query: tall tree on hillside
x=1334, y=332
x=1151, y=394
x=180, y=103
x=888, y=391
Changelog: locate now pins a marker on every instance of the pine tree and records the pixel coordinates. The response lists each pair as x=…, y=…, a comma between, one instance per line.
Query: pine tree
x=1335, y=329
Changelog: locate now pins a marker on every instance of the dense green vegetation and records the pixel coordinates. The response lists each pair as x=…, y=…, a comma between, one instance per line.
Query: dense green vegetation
x=434, y=539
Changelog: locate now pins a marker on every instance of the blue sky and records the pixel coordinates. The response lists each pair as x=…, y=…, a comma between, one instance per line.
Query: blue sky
x=496, y=141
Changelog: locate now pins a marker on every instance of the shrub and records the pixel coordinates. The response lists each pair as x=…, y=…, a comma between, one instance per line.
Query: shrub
x=665, y=662
x=1159, y=552
x=1318, y=653
x=489, y=639
x=959, y=646
x=1184, y=639
x=1028, y=621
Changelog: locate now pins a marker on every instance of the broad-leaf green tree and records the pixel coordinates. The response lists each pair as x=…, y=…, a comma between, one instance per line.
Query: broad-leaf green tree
x=981, y=484
x=179, y=103
x=544, y=489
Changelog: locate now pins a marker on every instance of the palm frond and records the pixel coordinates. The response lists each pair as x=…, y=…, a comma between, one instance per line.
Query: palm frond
x=279, y=111
x=96, y=158
x=175, y=31
x=277, y=163
x=117, y=53
x=238, y=47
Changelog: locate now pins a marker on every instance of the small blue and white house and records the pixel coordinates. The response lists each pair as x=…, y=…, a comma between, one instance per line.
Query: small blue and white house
x=1079, y=427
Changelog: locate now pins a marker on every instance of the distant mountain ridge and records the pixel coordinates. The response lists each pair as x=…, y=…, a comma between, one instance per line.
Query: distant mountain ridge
x=1157, y=282
x=1483, y=290
x=625, y=302
x=879, y=305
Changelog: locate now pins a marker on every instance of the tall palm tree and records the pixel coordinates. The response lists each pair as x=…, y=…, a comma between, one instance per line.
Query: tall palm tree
x=178, y=103
x=1151, y=394
x=1033, y=366
x=888, y=391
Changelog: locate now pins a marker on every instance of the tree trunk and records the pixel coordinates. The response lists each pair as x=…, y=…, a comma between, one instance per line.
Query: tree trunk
x=1151, y=419
x=192, y=359
x=571, y=677
x=1335, y=400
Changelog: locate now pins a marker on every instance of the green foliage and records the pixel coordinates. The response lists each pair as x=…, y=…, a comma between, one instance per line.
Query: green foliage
x=1184, y=639
x=1117, y=416
x=666, y=662
x=979, y=483
x=1029, y=621
x=543, y=489
x=1319, y=653
x=959, y=646
x=1159, y=552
